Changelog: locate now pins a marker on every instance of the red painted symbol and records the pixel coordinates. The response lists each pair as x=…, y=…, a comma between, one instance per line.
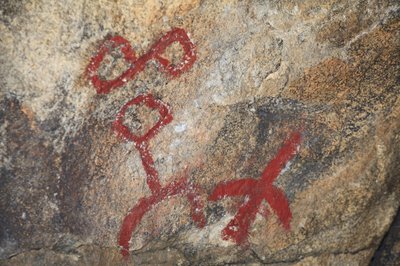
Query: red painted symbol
x=254, y=190
x=138, y=64
x=257, y=190
x=180, y=186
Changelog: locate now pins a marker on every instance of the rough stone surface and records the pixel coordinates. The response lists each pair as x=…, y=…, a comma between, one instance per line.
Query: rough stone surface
x=263, y=70
x=389, y=250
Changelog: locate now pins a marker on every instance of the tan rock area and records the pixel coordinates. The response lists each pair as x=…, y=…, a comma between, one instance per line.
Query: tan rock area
x=278, y=142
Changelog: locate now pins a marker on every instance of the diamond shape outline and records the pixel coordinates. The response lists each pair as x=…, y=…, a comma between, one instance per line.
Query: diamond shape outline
x=152, y=103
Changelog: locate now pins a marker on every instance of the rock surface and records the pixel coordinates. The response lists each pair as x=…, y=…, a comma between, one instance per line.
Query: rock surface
x=264, y=69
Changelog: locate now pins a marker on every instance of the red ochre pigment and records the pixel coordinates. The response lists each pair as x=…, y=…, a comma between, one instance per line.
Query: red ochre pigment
x=255, y=190
x=141, y=142
x=138, y=64
x=181, y=185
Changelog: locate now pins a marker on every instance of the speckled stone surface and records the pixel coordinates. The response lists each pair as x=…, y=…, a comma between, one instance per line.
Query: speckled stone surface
x=264, y=69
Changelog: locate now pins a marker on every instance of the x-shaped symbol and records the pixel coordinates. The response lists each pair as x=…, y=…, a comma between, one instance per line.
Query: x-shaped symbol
x=257, y=190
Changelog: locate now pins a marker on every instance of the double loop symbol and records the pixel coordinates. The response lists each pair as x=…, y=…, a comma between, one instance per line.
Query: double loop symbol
x=138, y=64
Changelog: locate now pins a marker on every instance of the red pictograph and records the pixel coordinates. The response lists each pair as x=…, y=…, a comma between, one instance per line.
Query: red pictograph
x=141, y=142
x=179, y=186
x=257, y=190
x=138, y=64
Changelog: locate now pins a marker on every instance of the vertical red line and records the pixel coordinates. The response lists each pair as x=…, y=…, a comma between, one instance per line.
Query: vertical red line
x=148, y=164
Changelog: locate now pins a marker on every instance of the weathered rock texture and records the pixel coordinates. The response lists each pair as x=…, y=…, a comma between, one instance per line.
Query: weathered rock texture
x=329, y=69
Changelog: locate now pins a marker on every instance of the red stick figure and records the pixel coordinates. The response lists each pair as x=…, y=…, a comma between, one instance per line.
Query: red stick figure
x=179, y=186
x=257, y=190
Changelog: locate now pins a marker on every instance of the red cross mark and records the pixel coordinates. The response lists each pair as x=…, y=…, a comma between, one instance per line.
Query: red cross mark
x=138, y=64
x=257, y=190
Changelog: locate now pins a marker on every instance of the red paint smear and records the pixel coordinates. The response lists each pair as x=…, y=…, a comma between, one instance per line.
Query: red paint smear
x=138, y=64
x=257, y=190
x=159, y=193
